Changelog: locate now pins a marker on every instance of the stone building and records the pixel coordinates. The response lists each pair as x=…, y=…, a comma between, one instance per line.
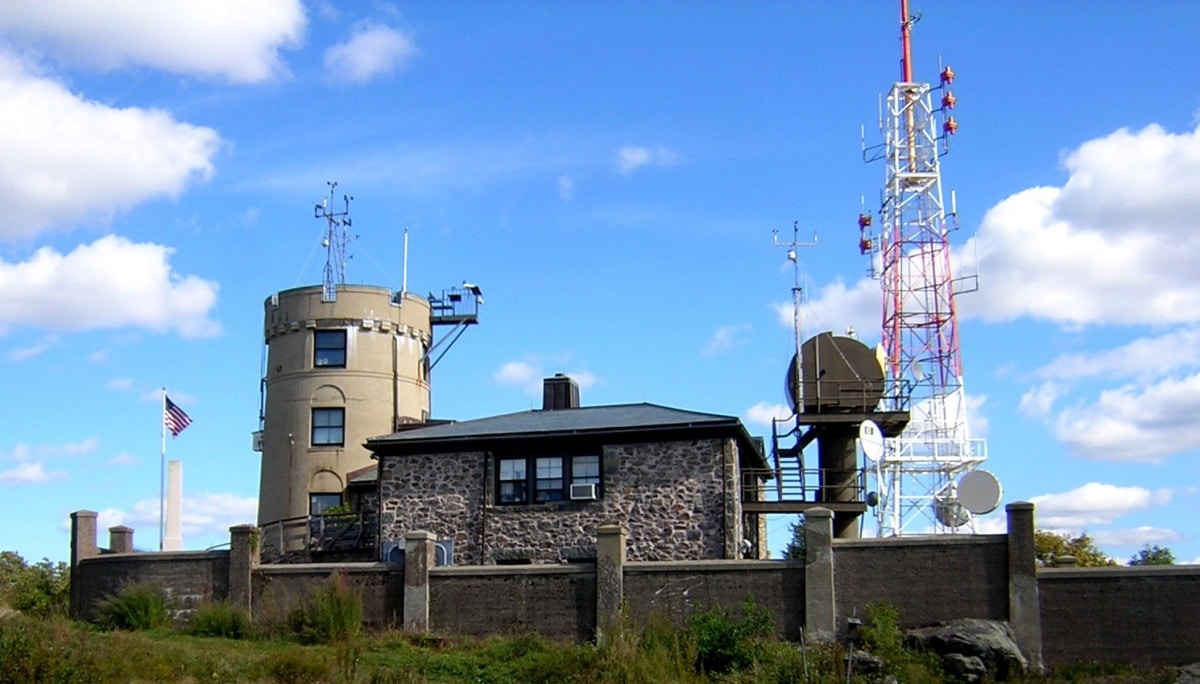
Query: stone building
x=533, y=487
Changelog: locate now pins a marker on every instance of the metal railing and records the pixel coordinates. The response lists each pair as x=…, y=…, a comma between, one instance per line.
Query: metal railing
x=303, y=536
x=796, y=485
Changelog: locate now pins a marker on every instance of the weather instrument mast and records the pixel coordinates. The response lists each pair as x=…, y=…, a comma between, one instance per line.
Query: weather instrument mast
x=337, y=239
x=916, y=475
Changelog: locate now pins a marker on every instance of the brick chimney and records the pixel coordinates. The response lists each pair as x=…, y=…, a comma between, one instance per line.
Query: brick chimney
x=559, y=392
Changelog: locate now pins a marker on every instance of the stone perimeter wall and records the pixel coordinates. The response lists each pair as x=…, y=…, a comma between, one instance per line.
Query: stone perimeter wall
x=679, y=500
x=1121, y=615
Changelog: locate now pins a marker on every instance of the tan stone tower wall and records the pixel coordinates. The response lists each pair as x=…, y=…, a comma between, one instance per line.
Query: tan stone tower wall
x=358, y=361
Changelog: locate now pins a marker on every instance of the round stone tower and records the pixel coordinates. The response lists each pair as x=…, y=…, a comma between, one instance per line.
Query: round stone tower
x=336, y=372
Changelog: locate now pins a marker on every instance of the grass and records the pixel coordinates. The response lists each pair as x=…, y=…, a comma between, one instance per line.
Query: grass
x=56, y=650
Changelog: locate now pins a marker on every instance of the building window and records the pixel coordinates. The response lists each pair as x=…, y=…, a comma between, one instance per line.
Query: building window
x=543, y=479
x=328, y=426
x=513, y=486
x=585, y=470
x=549, y=483
x=318, y=503
x=329, y=349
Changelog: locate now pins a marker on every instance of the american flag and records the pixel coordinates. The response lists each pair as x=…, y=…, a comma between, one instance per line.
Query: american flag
x=174, y=417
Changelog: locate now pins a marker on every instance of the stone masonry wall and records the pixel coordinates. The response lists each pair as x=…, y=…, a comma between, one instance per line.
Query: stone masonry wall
x=672, y=497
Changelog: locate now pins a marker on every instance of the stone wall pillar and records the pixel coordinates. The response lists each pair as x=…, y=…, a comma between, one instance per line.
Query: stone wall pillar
x=1024, y=609
x=120, y=539
x=418, y=559
x=244, y=550
x=610, y=581
x=83, y=545
x=820, y=610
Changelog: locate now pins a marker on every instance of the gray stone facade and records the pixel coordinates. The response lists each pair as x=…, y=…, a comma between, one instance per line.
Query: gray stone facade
x=678, y=500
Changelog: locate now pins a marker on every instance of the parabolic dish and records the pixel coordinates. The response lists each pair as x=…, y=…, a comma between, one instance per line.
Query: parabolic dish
x=870, y=440
x=979, y=492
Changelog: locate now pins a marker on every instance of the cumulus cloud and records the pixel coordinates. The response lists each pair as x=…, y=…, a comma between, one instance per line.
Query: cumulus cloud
x=528, y=374
x=1038, y=401
x=68, y=159
x=1134, y=423
x=28, y=473
x=1146, y=357
x=1094, y=504
x=111, y=283
x=194, y=37
x=763, y=413
x=1116, y=243
x=632, y=158
x=726, y=339
x=1136, y=537
x=204, y=515
x=838, y=308
x=372, y=51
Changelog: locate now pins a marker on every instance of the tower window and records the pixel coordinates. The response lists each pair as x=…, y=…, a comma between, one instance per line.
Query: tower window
x=328, y=426
x=329, y=349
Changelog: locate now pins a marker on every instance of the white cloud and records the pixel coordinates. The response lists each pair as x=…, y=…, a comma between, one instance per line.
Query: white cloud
x=68, y=159
x=566, y=188
x=1038, y=401
x=1115, y=244
x=25, y=353
x=229, y=40
x=632, y=158
x=529, y=374
x=204, y=515
x=28, y=473
x=1137, y=537
x=1146, y=357
x=762, y=413
x=726, y=339
x=372, y=51
x=1134, y=423
x=111, y=283
x=838, y=309
x=122, y=460
x=977, y=422
x=120, y=385
x=1093, y=504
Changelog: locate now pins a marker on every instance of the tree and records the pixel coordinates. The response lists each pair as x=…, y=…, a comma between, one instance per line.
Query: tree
x=1048, y=547
x=1153, y=555
x=40, y=589
x=795, y=548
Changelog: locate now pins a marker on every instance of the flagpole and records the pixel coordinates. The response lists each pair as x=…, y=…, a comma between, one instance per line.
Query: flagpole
x=162, y=471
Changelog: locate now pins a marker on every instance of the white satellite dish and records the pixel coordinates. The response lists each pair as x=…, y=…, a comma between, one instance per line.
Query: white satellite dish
x=979, y=492
x=870, y=439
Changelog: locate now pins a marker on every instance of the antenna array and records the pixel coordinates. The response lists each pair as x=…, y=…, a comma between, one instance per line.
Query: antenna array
x=335, y=242
x=910, y=256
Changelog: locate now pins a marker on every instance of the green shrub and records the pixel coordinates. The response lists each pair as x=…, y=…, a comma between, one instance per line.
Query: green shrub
x=220, y=620
x=882, y=636
x=42, y=589
x=726, y=645
x=333, y=613
x=296, y=667
x=134, y=607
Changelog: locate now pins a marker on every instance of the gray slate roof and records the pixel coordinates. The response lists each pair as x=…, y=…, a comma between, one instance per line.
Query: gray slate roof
x=627, y=419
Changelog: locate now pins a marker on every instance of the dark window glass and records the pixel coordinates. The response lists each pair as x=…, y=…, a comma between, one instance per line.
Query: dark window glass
x=585, y=470
x=513, y=485
x=317, y=503
x=329, y=349
x=549, y=483
x=328, y=426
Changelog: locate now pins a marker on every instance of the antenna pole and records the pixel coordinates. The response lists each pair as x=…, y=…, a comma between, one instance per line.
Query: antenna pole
x=404, y=270
x=905, y=43
x=797, y=300
x=335, y=242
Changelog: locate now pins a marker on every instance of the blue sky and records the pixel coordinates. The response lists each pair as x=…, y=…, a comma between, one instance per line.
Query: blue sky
x=610, y=174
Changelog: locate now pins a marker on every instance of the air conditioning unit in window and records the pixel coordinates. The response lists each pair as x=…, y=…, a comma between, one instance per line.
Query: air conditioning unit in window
x=583, y=492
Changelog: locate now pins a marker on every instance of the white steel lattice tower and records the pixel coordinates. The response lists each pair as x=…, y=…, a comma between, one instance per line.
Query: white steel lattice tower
x=916, y=476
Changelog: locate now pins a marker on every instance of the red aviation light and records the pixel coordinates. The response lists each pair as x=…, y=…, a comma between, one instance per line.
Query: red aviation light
x=948, y=100
x=947, y=75
x=864, y=220
x=950, y=126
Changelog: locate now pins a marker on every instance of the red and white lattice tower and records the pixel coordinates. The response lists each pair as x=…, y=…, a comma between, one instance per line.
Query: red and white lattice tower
x=915, y=478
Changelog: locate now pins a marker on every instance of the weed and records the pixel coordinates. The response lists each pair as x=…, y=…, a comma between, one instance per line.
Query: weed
x=134, y=607
x=333, y=613
x=220, y=620
x=726, y=645
x=296, y=667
